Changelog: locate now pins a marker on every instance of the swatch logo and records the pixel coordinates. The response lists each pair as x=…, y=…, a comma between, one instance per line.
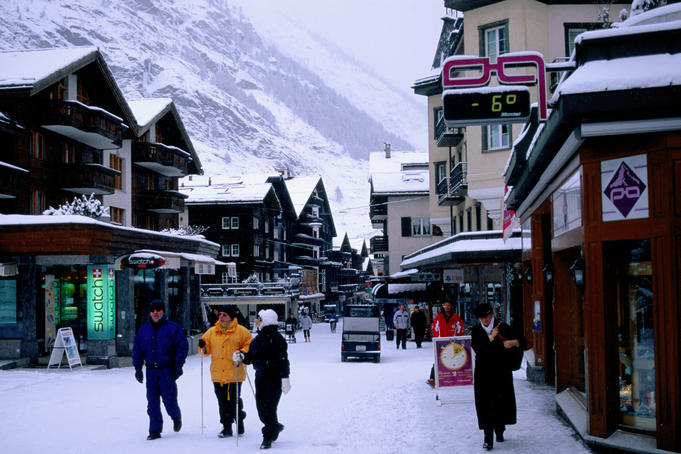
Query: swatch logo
x=624, y=189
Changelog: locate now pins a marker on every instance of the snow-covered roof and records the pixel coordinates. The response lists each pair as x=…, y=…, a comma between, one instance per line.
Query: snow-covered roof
x=25, y=68
x=147, y=110
x=300, y=189
x=403, y=172
x=224, y=193
x=470, y=242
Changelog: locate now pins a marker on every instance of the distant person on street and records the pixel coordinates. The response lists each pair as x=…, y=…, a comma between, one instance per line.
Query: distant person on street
x=162, y=346
x=220, y=342
x=240, y=318
x=493, y=342
x=290, y=326
x=268, y=354
x=306, y=325
x=447, y=323
x=212, y=317
x=333, y=321
x=418, y=324
x=402, y=325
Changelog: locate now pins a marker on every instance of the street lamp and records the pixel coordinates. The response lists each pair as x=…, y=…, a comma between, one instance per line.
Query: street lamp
x=577, y=271
x=548, y=273
x=528, y=274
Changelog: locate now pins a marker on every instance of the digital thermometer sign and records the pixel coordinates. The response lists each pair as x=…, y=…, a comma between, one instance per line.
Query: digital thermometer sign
x=472, y=107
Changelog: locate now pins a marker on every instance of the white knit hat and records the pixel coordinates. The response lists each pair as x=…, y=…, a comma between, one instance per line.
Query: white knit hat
x=268, y=317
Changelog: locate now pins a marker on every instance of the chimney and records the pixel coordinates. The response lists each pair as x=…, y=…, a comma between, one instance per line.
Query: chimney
x=387, y=150
x=209, y=181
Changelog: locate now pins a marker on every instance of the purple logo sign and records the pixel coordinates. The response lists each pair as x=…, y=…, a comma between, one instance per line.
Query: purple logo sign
x=624, y=189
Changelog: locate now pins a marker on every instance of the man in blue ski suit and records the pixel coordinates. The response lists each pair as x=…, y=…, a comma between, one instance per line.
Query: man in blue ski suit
x=162, y=346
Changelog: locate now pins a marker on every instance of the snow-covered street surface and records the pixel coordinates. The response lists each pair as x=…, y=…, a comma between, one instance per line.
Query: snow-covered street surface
x=333, y=407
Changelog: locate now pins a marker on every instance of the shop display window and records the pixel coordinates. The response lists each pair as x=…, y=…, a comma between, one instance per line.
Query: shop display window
x=10, y=324
x=635, y=332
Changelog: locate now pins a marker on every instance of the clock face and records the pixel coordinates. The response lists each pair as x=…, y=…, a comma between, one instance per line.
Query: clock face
x=453, y=356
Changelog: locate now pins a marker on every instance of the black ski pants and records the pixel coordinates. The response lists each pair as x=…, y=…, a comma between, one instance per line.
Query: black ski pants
x=402, y=338
x=267, y=395
x=227, y=394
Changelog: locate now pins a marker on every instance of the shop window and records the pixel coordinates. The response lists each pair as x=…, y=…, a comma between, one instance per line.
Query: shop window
x=10, y=315
x=629, y=269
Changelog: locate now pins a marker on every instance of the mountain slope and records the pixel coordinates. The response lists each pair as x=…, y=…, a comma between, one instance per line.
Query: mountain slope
x=245, y=104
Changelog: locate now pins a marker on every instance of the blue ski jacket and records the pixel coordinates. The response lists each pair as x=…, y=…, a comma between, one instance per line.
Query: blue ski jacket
x=160, y=347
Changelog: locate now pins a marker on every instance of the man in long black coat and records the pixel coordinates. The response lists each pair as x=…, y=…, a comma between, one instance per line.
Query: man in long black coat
x=493, y=382
x=268, y=354
x=418, y=323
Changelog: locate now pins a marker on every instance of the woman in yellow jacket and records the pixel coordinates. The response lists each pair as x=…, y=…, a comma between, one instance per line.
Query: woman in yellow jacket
x=220, y=342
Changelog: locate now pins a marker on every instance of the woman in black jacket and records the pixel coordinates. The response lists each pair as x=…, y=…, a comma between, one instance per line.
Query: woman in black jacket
x=496, y=347
x=268, y=354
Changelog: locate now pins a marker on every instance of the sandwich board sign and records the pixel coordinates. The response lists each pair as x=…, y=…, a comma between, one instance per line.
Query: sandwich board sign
x=65, y=343
x=454, y=359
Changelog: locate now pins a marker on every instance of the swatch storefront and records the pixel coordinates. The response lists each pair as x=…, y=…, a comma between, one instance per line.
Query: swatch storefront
x=97, y=279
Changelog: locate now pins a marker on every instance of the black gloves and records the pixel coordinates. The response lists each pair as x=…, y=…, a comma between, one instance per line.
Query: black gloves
x=202, y=343
x=138, y=375
x=178, y=370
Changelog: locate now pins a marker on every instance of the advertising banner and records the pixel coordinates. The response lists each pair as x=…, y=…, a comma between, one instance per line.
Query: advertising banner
x=101, y=302
x=50, y=300
x=453, y=361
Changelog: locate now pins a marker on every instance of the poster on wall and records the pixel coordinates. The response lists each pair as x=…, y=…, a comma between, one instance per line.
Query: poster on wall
x=101, y=302
x=453, y=361
x=624, y=188
x=50, y=300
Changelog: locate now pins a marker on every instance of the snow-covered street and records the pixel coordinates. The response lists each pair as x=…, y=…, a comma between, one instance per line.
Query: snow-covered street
x=333, y=407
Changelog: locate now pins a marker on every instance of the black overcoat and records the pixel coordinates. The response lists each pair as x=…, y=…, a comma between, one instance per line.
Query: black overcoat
x=493, y=379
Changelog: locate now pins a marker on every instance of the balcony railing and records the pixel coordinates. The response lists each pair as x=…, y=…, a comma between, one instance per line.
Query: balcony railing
x=87, y=179
x=455, y=192
x=447, y=137
x=288, y=287
x=92, y=126
x=379, y=244
x=167, y=202
x=378, y=209
x=163, y=159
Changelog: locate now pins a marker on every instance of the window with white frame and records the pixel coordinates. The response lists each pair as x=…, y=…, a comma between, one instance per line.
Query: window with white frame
x=267, y=225
x=226, y=223
x=256, y=223
x=235, y=250
x=226, y=250
x=315, y=211
x=494, y=40
x=496, y=137
x=256, y=250
x=235, y=222
x=315, y=253
x=420, y=226
x=315, y=231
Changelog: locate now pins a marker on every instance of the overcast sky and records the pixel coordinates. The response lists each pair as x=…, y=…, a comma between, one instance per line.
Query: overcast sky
x=397, y=38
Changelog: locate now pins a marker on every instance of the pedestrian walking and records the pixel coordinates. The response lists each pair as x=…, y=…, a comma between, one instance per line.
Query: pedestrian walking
x=494, y=344
x=306, y=325
x=291, y=325
x=220, y=342
x=162, y=347
x=268, y=354
x=212, y=317
x=447, y=323
x=333, y=321
x=418, y=324
x=402, y=325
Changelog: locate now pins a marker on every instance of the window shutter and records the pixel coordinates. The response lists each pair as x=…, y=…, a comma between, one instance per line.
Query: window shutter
x=406, y=226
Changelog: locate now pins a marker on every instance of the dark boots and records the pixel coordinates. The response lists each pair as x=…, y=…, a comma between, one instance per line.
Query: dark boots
x=488, y=444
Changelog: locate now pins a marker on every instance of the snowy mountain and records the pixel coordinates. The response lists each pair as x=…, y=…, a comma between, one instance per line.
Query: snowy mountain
x=246, y=105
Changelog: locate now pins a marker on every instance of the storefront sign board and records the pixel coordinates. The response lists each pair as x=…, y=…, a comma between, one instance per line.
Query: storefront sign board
x=50, y=299
x=624, y=188
x=101, y=302
x=453, y=361
x=65, y=342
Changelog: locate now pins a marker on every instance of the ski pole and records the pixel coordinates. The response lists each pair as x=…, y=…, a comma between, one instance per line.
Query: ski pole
x=237, y=404
x=202, y=426
x=249, y=381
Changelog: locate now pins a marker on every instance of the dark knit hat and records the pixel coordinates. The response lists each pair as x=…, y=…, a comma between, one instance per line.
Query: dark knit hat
x=157, y=305
x=483, y=310
x=229, y=310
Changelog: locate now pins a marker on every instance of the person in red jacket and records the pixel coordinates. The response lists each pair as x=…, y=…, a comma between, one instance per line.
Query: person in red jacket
x=447, y=323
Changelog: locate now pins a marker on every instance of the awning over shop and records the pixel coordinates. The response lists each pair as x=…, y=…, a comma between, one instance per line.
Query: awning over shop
x=472, y=247
x=311, y=297
x=405, y=273
x=203, y=264
x=397, y=290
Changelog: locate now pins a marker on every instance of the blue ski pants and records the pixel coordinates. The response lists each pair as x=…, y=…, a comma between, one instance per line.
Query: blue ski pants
x=161, y=384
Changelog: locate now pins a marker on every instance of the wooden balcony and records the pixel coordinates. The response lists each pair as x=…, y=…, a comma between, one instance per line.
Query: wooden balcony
x=87, y=179
x=160, y=158
x=447, y=137
x=12, y=178
x=163, y=202
x=378, y=210
x=379, y=244
x=92, y=126
x=453, y=191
